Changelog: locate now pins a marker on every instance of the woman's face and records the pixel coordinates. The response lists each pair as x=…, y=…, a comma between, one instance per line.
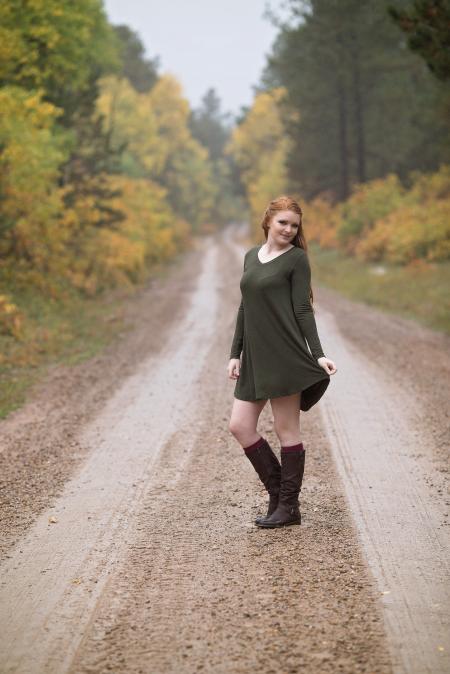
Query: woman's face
x=283, y=227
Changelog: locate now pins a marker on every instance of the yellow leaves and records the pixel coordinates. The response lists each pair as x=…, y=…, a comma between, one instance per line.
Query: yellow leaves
x=320, y=222
x=29, y=165
x=417, y=225
x=149, y=233
x=130, y=119
x=410, y=232
x=384, y=221
x=21, y=107
x=73, y=242
x=170, y=106
x=368, y=203
x=30, y=153
x=54, y=42
x=71, y=232
x=154, y=127
x=120, y=254
x=255, y=140
x=11, y=319
x=7, y=308
x=259, y=146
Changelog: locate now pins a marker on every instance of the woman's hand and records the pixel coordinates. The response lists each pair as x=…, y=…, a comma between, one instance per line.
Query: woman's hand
x=327, y=364
x=233, y=368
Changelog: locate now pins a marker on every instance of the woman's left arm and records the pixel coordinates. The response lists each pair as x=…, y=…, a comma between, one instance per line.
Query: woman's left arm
x=301, y=303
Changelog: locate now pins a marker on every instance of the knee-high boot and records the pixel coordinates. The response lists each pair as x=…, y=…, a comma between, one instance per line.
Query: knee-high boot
x=266, y=464
x=288, y=509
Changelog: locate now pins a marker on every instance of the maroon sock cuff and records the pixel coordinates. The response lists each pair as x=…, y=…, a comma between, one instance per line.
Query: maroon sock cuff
x=293, y=448
x=256, y=444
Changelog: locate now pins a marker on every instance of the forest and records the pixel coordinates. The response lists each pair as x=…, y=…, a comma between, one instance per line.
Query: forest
x=107, y=173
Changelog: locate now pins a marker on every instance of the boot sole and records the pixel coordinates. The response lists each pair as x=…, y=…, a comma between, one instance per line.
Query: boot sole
x=259, y=519
x=263, y=525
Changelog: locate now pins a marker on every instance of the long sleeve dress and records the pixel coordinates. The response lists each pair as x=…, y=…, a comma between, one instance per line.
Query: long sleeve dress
x=275, y=324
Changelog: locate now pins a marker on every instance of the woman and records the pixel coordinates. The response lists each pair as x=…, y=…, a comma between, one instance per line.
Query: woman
x=275, y=325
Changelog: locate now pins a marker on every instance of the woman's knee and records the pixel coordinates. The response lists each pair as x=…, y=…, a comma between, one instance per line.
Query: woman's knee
x=232, y=427
x=287, y=433
x=244, y=420
x=286, y=419
x=237, y=427
x=245, y=433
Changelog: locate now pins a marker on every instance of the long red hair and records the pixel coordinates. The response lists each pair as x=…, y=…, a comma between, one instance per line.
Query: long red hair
x=286, y=203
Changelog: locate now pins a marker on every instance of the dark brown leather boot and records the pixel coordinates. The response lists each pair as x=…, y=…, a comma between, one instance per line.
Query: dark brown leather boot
x=266, y=464
x=287, y=511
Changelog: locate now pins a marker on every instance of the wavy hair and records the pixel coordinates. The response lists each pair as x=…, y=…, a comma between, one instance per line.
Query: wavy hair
x=286, y=203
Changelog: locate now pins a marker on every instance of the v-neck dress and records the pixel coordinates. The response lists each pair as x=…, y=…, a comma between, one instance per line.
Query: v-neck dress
x=275, y=324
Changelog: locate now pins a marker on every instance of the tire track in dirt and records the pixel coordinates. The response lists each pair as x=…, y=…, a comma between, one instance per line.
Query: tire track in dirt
x=53, y=578
x=155, y=565
x=202, y=589
x=40, y=447
x=371, y=421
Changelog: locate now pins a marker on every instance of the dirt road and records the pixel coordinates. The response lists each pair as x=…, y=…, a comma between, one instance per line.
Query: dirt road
x=134, y=550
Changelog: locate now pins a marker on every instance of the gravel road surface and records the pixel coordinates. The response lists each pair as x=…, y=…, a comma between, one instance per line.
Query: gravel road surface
x=128, y=542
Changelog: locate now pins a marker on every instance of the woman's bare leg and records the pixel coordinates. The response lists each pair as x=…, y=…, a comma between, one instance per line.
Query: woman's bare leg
x=244, y=420
x=286, y=415
x=286, y=418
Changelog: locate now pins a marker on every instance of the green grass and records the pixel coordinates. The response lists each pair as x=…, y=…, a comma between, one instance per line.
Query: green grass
x=66, y=331
x=54, y=332
x=418, y=292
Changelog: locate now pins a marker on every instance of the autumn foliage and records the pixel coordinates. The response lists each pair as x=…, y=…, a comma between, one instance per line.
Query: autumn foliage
x=259, y=146
x=381, y=220
x=384, y=220
x=99, y=181
x=102, y=177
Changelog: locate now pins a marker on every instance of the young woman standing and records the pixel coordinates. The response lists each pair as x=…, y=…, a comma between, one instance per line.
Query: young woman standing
x=275, y=324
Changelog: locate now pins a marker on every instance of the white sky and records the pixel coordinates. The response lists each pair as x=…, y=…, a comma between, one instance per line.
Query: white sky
x=205, y=43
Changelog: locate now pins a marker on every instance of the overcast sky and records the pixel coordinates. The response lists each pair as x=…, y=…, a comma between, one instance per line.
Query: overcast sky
x=218, y=43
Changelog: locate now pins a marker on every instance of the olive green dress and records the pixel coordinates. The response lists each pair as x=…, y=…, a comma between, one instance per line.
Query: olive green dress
x=275, y=324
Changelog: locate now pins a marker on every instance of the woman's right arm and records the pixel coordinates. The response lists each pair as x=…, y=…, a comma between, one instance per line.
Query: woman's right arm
x=238, y=339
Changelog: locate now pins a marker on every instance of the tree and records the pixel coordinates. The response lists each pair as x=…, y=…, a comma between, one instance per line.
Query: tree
x=212, y=128
x=56, y=46
x=141, y=72
x=259, y=147
x=210, y=125
x=366, y=106
x=427, y=25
